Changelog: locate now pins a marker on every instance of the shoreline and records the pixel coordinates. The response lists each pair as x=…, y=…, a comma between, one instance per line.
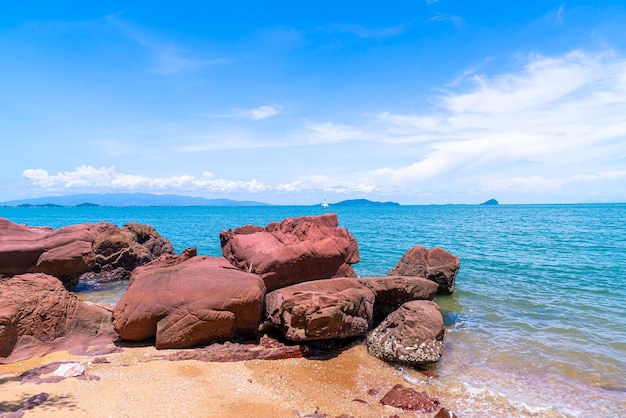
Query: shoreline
x=138, y=382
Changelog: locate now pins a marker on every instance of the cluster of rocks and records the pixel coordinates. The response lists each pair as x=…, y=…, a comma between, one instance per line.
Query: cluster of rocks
x=73, y=251
x=295, y=275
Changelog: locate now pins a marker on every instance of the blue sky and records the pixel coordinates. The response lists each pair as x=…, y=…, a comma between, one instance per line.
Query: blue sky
x=419, y=102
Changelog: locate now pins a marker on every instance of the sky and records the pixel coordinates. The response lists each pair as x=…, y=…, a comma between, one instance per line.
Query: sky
x=291, y=102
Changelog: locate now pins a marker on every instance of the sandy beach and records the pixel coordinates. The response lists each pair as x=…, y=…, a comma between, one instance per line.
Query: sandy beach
x=139, y=383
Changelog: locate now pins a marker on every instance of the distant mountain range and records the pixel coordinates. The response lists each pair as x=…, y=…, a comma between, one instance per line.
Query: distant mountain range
x=128, y=199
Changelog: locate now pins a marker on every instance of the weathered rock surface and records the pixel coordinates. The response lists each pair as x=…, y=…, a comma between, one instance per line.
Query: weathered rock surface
x=38, y=315
x=322, y=309
x=292, y=251
x=267, y=349
x=71, y=251
x=413, y=335
x=188, y=301
x=437, y=265
x=393, y=291
x=65, y=253
x=409, y=399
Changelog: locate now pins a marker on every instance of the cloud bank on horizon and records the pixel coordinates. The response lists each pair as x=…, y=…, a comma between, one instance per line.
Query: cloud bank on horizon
x=436, y=103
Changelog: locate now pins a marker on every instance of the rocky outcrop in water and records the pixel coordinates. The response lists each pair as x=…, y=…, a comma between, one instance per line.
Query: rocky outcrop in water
x=437, y=265
x=292, y=251
x=411, y=335
x=189, y=300
x=322, y=309
x=71, y=251
x=38, y=315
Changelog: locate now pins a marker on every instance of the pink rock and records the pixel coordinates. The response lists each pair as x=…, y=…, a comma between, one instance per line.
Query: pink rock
x=65, y=253
x=437, y=265
x=292, y=251
x=413, y=335
x=38, y=315
x=71, y=251
x=322, y=309
x=189, y=301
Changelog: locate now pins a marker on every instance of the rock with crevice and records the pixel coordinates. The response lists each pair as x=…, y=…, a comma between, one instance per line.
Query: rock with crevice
x=292, y=251
x=322, y=309
x=188, y=301
x=38, y=315
x=437, y=265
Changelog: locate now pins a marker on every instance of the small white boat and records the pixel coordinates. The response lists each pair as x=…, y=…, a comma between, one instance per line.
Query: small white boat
x=324, y=205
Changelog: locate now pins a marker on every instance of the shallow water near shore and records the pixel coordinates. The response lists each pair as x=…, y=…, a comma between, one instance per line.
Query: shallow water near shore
x=537, y=326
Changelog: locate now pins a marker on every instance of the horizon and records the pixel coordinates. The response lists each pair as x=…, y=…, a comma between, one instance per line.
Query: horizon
x=249, y=203
x=431, y=102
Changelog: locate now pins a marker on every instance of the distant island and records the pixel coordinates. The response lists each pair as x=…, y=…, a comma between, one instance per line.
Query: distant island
x=490, y=202
x=363, y=202
x=126, y=199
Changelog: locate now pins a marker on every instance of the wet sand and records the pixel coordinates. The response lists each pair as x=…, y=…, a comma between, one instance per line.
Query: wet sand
x=139, y=383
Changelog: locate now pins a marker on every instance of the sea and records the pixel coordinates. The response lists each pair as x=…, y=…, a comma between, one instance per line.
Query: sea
x=536, y=326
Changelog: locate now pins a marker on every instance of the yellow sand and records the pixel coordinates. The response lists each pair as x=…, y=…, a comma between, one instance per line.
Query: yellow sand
x=138, y=383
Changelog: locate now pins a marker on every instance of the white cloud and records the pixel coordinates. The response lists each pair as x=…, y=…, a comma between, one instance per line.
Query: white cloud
x=536, y=127
x=261, y=112
x=107, y=179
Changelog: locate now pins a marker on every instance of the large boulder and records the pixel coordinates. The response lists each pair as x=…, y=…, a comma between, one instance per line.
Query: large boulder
x=292, y=251
x=412, y=335
x=71, y=251
x=393, y=291
x=65, y=253
x=189, y=301
x=38, y=315
x=322, y=309
x=437, y=265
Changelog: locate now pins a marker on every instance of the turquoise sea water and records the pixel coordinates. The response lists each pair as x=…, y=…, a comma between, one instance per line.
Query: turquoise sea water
x=537, y=326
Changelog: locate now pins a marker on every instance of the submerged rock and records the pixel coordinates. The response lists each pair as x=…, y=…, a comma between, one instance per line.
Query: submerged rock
x=188, y=301
x=292, y=251
x=322, y=309
x=437, y=265
x=413, y=335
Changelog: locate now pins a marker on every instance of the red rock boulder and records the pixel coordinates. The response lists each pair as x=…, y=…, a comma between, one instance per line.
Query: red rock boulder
x=322, y=309
x=292, y=251
x=189, y=301
x=409, y=399
x=71, y=251
x=393, y=291
x=38, y=315
x=412, y=335
x=65, y=253
x=437, y=265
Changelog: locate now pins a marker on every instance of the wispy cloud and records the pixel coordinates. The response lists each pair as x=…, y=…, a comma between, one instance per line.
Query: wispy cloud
x=370, y=33
x=443, y=18
x=170, y=58
x=255, y=113
x=261, y=112
x=555, y=116
x=333, y=132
